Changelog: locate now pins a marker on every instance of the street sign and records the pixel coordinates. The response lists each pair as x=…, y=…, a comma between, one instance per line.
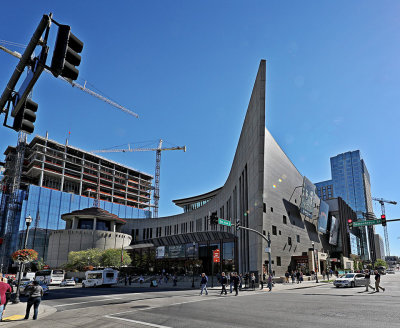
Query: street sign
x=224, y=222
x=267, y=250
x=366, y=223
x=216, y=257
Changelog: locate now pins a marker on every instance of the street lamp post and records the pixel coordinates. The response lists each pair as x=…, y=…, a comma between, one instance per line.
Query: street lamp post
x=194, y=249
x=316, y=264
x=28, y=221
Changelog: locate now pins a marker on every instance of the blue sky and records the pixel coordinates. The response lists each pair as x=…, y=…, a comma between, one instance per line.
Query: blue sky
x=187, y=68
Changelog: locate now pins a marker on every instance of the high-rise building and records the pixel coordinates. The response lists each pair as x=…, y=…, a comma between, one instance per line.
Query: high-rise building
x=57, y=178
x=380, y=247
x=351, y=181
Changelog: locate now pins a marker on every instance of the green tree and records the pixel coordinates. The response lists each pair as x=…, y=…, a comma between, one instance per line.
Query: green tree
x=112, y=258
x=79, y=260
x=380, y=262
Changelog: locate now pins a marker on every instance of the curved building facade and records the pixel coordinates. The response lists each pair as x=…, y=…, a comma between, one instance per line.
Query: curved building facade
x=85, y=229
x=261, y=191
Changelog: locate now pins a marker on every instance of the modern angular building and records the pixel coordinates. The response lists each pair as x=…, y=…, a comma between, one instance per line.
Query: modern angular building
x=380, y=247
x=351, y=181
x=58, y=178
x=263, y=192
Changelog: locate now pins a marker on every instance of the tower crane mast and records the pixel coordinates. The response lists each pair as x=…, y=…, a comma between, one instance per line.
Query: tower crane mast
x=158, y=151
x=382, y=202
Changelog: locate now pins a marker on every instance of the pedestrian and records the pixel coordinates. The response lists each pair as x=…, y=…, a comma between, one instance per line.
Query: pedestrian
x=175, y=280
x=323, y=275
x=4, y=288
x=293, y=276
x=240, y=277
x=35, y=292
x=236, y=283
x=203, y=283
x=301, y=276
x=269, y=282
x=368, y=280
x=223, y=281
x=327, y=274
x=253, y=281
x=287, y=277
x=298, y=276
x=262, y=281
x=231, y=280
x=377, y=282
x=141, y=279
x=126, y=280
x=130, y=280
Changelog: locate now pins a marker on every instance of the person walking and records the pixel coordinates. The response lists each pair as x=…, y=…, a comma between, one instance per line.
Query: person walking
x=253, y=281
x=368, y=280
x=293, y=277
x=223, y=281
x=262, y=281
x=126, y=280
x=130, y=280
x=298, y=276
x=231, y=275
x=377, y=282
x=240, y=280
x=301, y=276
x=236, y=282
x=203, y=283
x=4, y=288
x=35, y=293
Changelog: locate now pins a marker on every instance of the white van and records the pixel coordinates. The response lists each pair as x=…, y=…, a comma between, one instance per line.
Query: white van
x=105, y=277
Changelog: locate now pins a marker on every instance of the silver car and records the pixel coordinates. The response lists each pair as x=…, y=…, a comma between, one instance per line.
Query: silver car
x=350, y=280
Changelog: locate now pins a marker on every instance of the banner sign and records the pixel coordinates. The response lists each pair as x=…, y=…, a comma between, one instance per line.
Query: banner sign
x=334, y=230
x=160, y=252
x=307, y=198
x=216, y=257
x=323, y=217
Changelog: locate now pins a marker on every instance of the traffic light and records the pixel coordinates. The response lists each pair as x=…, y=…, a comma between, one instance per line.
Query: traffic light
x=25, y=117
x=383, y=220
x=237, y=224
x=350, y=223
x=214, y=218
x=66, y=54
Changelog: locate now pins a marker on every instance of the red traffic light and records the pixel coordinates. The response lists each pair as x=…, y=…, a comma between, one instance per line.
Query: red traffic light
x=349, y=220
x=383, y=216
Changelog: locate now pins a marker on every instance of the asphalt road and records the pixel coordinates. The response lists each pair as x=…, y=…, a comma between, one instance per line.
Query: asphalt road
x=320, y=306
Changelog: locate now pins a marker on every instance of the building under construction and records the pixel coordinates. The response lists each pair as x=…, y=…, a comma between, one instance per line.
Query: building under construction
x=45, y=179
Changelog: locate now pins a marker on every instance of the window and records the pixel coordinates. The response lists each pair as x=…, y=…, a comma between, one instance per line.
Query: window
x=280, y=232
x=284, y=219
x=264, y=232
x=289, y=241
x=295, y=200
x=298, y=238
x=264, y=208
x=274, y=230
x=272, y=209
x=278, y=261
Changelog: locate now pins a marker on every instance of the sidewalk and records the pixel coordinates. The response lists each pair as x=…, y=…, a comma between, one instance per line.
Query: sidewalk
x=15, y=313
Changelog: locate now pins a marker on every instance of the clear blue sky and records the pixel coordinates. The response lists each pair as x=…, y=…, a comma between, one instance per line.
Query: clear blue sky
x=187, y=68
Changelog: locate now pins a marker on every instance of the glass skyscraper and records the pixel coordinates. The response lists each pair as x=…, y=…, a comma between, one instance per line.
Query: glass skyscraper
x=351, y=181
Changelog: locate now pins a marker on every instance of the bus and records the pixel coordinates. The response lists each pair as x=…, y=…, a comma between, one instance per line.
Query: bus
x=104, y=277
x=50, y=277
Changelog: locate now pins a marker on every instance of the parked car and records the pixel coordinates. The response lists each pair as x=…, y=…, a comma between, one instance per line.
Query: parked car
x=24, y=288
x=350, y=280
x=68, y=282
x=390, y=271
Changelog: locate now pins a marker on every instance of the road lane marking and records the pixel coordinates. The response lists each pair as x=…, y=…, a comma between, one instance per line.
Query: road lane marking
x=99, y=300
x=139, y=322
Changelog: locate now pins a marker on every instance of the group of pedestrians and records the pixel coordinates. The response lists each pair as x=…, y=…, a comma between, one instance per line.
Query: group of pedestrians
x=295, y=275
x=377, y=281
x=34, y=292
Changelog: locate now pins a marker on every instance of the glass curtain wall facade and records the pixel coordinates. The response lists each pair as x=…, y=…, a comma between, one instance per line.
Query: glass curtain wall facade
x=348, y=172
x=46, y=206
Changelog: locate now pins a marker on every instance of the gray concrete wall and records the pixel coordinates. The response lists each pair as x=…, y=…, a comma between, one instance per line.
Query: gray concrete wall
x=61, y=242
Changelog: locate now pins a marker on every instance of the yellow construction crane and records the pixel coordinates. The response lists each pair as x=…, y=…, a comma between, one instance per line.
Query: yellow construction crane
x=158, y=151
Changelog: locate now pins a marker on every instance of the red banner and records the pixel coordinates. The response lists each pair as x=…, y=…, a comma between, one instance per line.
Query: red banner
x=216, y=257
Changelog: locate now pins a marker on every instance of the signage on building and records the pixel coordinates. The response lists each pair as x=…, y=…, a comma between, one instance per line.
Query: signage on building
x=323, y=216
x=267, y=250
x=224, y=222
x=175, y=251
x=334, y=231
x=160, y=252
x=216, y=257
x=307, y=198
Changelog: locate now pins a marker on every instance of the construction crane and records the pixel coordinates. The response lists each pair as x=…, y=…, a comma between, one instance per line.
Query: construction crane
x=74, y=84
x=382, y=202
x=158, y=151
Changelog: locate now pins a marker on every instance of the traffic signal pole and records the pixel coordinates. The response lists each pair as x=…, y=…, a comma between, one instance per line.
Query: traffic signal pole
x=25, y=59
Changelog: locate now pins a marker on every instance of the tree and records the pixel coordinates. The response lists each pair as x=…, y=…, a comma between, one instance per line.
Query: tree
x=79, y=260
x=380, y=262
x=112, y=258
